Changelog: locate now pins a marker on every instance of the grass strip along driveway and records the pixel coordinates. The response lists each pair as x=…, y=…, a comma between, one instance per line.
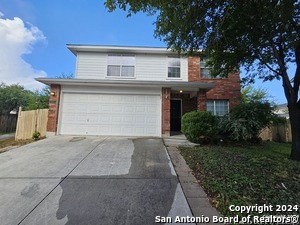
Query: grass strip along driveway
x=246, y=176
x=7, y=143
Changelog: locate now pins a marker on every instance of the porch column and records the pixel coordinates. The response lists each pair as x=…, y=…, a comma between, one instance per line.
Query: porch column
x=201, y=100
x=166, y=105
x=53, y=109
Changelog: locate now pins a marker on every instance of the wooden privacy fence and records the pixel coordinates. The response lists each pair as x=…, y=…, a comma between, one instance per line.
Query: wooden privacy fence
x=8, y=123
x=31, y=121
x=279, y=133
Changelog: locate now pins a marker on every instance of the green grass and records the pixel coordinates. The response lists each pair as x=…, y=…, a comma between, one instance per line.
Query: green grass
x=12, y=142
x=250, y=175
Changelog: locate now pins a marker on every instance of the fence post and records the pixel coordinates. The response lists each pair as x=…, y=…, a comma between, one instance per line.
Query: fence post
x=18, y=123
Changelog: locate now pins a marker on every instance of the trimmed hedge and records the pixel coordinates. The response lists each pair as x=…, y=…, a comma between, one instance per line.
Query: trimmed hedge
x=199, y=126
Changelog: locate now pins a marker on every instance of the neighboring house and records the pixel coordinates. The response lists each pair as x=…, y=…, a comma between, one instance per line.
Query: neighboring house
x=134, y=91
x=282, y=110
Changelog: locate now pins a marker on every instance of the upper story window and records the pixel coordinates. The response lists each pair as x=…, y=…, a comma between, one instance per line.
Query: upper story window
x=218, y=107
x=120, y=65
x=204, y=70
x=173, y=67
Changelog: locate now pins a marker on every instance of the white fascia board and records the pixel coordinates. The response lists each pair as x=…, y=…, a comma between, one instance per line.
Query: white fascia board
x=175, y=85
x=119, y=49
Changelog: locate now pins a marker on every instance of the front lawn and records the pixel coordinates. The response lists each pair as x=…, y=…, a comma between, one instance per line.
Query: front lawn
x=246, y=176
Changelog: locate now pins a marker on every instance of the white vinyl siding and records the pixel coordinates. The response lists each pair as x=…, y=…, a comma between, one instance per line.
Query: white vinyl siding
x=217, y=107
x=91, y=65
x=184, y=68
x=147, y=67
x=151, y=67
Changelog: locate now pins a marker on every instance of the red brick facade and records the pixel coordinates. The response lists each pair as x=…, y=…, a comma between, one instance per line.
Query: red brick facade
x=193, y=68
x=201, y=100
x=226, y=88
x=166, y=105
x=53, y=108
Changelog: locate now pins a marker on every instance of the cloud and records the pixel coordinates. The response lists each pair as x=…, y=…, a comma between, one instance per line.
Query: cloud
x=17, y=39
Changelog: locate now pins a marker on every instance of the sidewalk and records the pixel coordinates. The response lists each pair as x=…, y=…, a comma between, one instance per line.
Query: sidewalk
x=196, y=197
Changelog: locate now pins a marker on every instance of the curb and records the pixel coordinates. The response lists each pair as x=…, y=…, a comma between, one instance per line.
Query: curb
x=195, y=195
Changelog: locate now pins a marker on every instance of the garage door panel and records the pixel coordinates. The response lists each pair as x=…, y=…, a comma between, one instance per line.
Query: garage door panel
x=82, y=118
x=69, y=107
x=94, y=98
x=151, y=100
x=151, y=120
x=128, y=109
x=151, y=109
x=92, y=129
x=80, y=107
x=94, y=119
x=104, y=114
x=128, y=119
x=140, y=109
x=105, y=118
x=141, y=99
x=103, y=129
x=128, y=99
x=150, y=130
x=116, y=119
x=69, y=119
x=115, y=130
x=117, y=108
x=105, y=108
x=94, y=107
x=70, y=128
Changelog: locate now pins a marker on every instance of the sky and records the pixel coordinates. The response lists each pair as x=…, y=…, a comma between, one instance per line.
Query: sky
x=34, y=35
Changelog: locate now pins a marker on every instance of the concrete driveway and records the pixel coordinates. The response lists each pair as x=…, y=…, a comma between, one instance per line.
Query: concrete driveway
x=92, y=180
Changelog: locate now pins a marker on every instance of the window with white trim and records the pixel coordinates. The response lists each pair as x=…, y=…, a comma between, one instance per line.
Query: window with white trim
x=217, y=107
x=173, y=67
x=204, y=70
x=120, y=65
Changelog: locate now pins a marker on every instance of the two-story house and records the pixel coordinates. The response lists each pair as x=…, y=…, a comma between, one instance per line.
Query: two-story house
x=134, y=91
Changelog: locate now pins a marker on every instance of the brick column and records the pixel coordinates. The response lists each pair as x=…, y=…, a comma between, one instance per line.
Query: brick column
x=201, y=100
x=166, y=105
x=53, y=108
x=193, y=68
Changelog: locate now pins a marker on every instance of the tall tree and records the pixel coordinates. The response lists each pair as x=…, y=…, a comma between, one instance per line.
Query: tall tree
x=39, y=99
x=251, y=94
x=12, y=97
x=263, y=36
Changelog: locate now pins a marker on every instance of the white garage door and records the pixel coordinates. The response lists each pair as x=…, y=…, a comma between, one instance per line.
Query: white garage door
x=110, y=114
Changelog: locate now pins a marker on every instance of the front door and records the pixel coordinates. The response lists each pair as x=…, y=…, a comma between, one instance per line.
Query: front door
x=175, y=122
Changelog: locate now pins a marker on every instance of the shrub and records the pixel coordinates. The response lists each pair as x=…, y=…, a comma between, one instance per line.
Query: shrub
x=199, y=127
x=234, y=129
x=36, y=135
x=246, y=120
